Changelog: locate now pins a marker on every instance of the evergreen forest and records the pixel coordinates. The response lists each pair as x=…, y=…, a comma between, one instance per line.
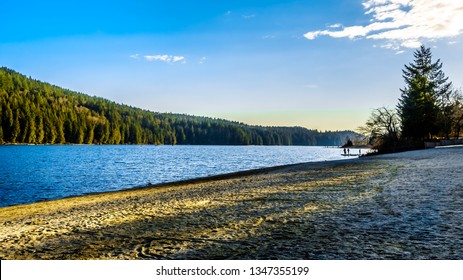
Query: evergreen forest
x=35, y=112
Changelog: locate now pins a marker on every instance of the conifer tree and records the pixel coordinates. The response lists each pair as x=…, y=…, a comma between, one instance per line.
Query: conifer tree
x=35, y=112
x=420, y=103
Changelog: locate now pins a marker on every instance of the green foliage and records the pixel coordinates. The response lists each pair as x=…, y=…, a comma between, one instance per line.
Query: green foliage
x=428, y=108
x=35, y=112
x=421, y=105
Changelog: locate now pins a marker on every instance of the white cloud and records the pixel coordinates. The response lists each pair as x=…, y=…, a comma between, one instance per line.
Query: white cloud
x=403, y=23
x=165, y=58
x=202, y=60
x=336, y=25
x=135, y=56
x=313, y=34
x=178, y=58
x=249, y=16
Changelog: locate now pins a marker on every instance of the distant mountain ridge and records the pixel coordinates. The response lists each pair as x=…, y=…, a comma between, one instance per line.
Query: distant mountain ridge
x=36, y=112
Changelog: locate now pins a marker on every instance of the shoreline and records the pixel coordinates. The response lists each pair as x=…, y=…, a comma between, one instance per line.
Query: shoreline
x=205, y=179
x=225, y=176
x=368, y=208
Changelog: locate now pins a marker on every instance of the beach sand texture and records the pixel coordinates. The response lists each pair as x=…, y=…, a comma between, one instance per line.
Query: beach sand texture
x=398, y=206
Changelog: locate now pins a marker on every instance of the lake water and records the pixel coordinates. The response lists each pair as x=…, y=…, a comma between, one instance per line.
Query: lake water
x=35, y=173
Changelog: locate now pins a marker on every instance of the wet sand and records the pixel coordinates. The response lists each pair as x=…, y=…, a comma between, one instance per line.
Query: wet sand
x=399, y=206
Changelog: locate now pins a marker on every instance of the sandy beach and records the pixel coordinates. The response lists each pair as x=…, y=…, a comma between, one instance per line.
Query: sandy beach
x=398, y=206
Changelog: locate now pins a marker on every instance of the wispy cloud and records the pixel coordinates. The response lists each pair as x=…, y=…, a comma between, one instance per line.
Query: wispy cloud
x=249, y=16
x=202, y=60
x=336, y=25
x=311, y=86
x=268, y=37
x=135, y=56
x=403, y=23
x=165, y=58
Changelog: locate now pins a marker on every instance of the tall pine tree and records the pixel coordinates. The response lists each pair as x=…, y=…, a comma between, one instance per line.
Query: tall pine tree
x=420, y=103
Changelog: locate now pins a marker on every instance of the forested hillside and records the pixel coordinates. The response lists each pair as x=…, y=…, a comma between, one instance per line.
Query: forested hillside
x=39, y=113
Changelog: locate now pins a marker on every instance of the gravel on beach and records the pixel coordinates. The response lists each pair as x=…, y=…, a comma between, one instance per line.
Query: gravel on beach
x=397, y=206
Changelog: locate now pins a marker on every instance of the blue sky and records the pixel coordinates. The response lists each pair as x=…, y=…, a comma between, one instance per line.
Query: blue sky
x=318, y=64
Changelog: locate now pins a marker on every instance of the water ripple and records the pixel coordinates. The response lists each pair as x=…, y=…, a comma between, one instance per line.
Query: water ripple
x=32, y=173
